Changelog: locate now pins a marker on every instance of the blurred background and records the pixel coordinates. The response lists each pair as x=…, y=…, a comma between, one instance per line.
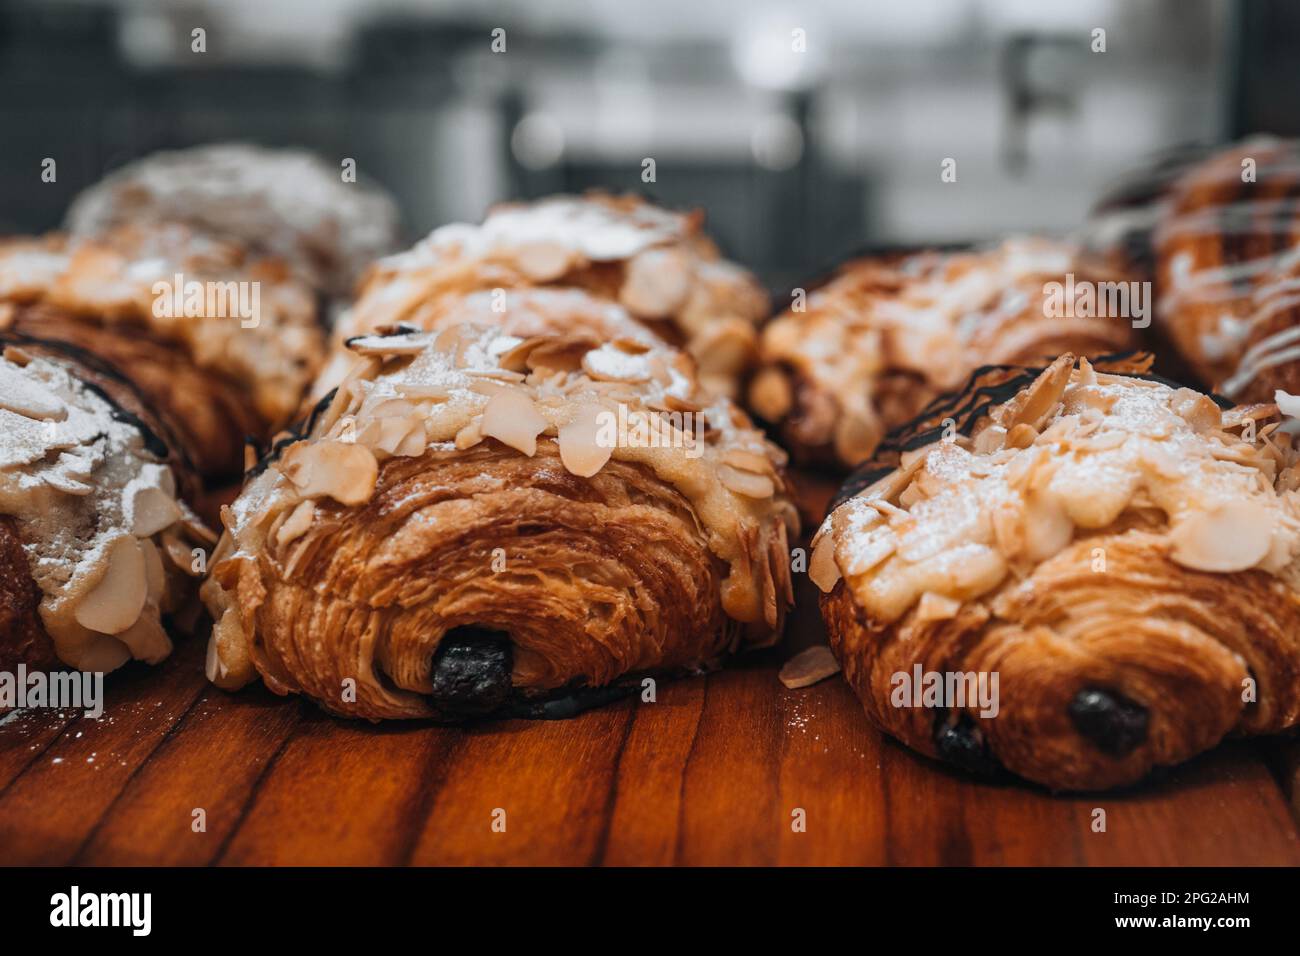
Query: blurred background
x=807, y=130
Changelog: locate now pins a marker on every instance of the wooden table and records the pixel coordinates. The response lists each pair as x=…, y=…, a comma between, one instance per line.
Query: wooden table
x=709, y=774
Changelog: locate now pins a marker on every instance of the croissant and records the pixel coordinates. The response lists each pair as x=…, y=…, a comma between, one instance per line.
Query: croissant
x=1225, y=262
x=1073, y=574
x=474, y=522
x=1120, y=229
x=96, y=540
x=657, y=264
x=884, y=336
x=283, y=204
x=223, y=341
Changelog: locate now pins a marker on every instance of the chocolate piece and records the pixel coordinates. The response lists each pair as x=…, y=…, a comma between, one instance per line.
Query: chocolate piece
x=471, y=672
x=962, y=745
x=1114, y=723
x=569, y=703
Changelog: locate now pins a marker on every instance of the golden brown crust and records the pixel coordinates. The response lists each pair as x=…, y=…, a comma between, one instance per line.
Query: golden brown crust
x=598, y=578
x=1179, y=644
x=1122, y=555
x=470, y=478
x=885, y=336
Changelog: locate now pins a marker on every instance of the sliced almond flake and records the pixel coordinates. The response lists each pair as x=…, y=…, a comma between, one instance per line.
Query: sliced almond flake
x=421, y=391
x=608, y=364
x=1234, y=537
x=747, y=460
x=149, y=509
x=936, y=607
x=115, y=602
x=808, y=667
x=386, y=345
x=343, y=471
x=1037, y=401
x=511, y=418
x=65, y=483
x=1021, y=436
x=154, y=574
x=582, y=449
x=22, y=395
x=746, y=483
x=296, y=525
x=822, y=568
x=657, y=283
x=469, y=436
x=543, y=260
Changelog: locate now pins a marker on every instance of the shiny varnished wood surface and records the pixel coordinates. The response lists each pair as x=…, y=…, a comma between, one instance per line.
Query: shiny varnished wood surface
x=710, y=773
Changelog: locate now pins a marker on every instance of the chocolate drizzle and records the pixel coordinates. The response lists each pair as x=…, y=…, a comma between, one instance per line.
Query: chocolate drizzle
x=155, y=444
x=988, y=387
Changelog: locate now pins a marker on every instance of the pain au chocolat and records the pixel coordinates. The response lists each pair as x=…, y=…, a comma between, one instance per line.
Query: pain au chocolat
x=475, y=522
x=223, y=341
x=96, y=540
x=866, y=351
x=1227, y=250
x=657, y=265
x=1123, y=554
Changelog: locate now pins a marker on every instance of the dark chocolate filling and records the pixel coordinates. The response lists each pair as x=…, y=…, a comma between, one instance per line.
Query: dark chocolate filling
x=962, y=745
x=1115, y=724
x=471, y=672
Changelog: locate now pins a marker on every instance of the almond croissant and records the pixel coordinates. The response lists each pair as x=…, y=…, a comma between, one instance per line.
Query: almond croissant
x=1115, y=558
x=473, y=521
x=284, y=204
x=96, y=541
x=1228, y=268
x=658, y=265
x=223, y=341
x=867, y=350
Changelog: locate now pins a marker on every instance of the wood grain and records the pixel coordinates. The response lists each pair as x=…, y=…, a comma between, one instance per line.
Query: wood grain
x=712, y=772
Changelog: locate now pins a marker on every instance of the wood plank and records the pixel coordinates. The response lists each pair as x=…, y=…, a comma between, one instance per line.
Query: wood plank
x=213, y=762
x=709, y=773
x=51, y=807
x=553, y=779
x=343, y=793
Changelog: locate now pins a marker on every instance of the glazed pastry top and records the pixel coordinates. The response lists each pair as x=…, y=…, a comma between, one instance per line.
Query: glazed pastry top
x=1074, y=453
x=1222, y=238
x=657, y=264
x=130, y=275
x=98, y=513
x=1272, y=336
x=448, y=391
x=286, y=203
x=933, y=316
